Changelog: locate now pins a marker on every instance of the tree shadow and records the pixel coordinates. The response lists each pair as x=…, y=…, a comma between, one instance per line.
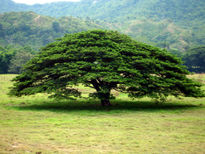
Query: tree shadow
x=117, y=106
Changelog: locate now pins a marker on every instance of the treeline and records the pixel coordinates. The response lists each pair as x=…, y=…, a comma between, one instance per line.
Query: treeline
x=12, y=59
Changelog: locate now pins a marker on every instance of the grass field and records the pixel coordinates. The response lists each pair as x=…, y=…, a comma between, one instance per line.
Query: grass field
x=36, y=124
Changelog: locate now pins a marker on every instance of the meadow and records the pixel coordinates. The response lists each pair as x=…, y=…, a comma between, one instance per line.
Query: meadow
x=36, y=124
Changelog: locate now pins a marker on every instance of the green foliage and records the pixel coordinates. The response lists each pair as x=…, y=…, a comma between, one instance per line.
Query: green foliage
x=105, y=61
x=13, y=58
x=195, y=59
x=17, y=62
x=5, y=57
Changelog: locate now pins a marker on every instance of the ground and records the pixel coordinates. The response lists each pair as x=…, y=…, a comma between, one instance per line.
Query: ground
x=36, y=124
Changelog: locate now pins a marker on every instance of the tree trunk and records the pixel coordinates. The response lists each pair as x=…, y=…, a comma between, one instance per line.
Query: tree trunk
x=103, y=91
x=105, y=102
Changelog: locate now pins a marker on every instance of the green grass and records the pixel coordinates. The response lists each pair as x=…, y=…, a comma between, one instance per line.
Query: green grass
x=37, y=124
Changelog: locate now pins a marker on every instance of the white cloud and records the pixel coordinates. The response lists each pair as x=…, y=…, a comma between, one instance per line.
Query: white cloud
x=31, y=2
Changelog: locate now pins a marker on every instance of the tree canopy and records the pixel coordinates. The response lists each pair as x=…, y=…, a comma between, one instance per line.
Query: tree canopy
x=105, y=61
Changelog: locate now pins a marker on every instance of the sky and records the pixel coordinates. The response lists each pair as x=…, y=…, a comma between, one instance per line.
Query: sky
x=30, y=2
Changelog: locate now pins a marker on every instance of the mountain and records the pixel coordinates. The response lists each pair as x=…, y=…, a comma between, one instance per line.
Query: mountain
x=9, y=6
x=29, y=28
x=173, y=24
x=175, y=10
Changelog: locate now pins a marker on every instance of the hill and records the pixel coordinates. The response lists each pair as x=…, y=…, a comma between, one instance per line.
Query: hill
x=29, y=28
x=175, y=10
x=173, y=24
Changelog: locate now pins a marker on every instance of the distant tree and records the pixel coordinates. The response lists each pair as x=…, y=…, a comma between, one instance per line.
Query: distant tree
x=5, y=57
x=105, y=61
x=17, y=62
x=195, y=59
x=12, y=58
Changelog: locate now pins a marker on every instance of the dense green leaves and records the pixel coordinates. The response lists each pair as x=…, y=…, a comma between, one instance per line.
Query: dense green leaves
x=5, y=57
x=105, y=61
x=12, y=58
x=18, y=60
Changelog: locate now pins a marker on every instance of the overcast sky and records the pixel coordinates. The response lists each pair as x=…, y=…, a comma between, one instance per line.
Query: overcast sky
x=30, y=2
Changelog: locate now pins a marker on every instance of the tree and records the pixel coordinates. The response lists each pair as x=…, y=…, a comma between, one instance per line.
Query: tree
x=12, y=58
x=17, y=62
x=6, y=55
x=105, y=61
x=195, y=59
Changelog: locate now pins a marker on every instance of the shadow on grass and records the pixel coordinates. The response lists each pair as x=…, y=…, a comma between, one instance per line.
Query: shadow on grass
x=117, y=106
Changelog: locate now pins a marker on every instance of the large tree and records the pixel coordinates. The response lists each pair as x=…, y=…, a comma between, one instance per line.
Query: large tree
x=105, y=61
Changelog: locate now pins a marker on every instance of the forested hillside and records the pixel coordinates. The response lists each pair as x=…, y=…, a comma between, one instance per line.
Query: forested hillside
x=9, y=6
x=29, y=28
x=176, y=10
x=172, y=24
